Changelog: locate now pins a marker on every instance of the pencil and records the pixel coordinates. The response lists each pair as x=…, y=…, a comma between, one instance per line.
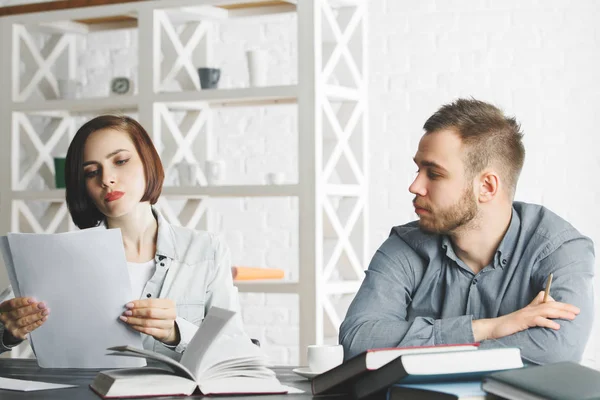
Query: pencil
x=548, y=284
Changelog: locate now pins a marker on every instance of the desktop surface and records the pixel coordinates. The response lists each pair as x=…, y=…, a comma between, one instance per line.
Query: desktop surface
x=28, y=369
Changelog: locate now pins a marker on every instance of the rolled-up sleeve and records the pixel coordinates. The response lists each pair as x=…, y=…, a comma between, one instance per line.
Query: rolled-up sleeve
x=572, y=266
x=7, y=294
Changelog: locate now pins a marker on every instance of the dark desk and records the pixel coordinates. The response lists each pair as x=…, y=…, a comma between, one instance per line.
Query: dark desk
x=29, y=370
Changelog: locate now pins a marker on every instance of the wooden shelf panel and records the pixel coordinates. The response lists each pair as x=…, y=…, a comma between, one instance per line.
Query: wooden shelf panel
x=70, y=4
x=267, y=287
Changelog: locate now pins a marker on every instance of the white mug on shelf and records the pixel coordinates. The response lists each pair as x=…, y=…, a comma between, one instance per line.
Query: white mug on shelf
x=68, y=88
x=214, y=170
x=324, y=357
x=274, y=178
x=187, y=173
x=257, y=67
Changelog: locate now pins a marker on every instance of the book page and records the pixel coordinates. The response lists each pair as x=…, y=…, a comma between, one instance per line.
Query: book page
x=129, y=351
x=211, y=327
x=82, y=276
x=234, y=355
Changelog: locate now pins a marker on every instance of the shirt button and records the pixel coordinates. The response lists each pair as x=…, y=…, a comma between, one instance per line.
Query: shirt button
x=504, y=261
x=162, y=264
x=474, y=282
x=148, y=295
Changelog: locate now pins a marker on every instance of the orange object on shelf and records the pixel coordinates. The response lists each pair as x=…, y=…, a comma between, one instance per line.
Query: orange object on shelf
x=255, y=273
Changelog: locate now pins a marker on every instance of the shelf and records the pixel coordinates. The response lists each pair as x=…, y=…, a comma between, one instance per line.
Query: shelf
x=255, y=96
x=182, y=192
x=176, y=100
x=97, y=105
x=233, y=191
x=266, y=286
x=40, y=195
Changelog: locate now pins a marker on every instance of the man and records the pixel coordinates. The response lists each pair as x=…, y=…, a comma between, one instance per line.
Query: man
x=474, y=267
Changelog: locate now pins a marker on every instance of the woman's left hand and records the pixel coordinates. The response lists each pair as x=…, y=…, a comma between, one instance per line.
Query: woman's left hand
x=154, y=317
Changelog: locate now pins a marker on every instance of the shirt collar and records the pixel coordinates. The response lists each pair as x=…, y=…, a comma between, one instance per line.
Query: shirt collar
x=507, y=245
x=504, y=251
x=165, y=240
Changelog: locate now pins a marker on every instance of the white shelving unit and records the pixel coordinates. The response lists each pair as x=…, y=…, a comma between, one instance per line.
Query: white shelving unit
x=175, y=35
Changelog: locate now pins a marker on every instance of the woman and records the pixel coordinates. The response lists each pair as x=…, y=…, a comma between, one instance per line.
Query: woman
x=114, y=175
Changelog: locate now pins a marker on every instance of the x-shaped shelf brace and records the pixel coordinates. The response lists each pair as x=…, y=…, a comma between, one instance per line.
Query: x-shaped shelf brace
x=190, y=214
x=343, y=243
x=60, y=127
x=342, y=135
x=184, y=135
x=56, y=214
x=192, y=34
x=341, y=40
x=38, y=64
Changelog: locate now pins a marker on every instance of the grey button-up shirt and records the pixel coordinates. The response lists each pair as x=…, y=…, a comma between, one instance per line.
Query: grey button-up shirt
x=193, y=268
x=417, y=292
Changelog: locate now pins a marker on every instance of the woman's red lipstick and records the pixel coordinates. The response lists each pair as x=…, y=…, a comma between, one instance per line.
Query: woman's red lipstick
x=112, y=196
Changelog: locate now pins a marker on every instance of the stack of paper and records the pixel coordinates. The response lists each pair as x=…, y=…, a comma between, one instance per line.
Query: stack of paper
x=82, y=277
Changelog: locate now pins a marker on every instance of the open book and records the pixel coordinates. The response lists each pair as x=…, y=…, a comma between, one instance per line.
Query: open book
x=220, y=359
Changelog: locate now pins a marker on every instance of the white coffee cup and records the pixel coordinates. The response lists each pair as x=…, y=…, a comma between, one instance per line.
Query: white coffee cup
x=274, y=178
x=257, y=67
x=214, y=170
x=68, y=88
x=187, y=173
x=324, y=357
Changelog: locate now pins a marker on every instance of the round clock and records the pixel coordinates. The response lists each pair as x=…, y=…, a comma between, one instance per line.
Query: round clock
x=121, y=85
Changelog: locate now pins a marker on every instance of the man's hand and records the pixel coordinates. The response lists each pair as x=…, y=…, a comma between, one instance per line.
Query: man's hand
x=537, y=313
x=20, y=316
x=154, y=317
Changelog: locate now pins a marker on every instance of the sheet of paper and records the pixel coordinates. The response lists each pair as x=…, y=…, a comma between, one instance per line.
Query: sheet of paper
x=10, y=267
x=83, y=278
x=29, y=386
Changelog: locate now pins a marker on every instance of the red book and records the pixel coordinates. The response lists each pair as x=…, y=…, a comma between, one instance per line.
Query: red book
x=338, y=380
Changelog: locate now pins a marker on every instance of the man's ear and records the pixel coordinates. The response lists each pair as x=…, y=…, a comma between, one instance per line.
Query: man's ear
x=488, y=186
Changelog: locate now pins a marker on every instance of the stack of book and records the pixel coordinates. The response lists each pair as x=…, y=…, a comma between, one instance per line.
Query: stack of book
x=416, y=372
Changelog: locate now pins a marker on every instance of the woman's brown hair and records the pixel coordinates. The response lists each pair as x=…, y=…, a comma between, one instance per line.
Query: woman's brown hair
x=82, y=209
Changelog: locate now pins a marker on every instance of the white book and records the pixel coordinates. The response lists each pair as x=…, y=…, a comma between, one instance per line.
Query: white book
x=219, y=359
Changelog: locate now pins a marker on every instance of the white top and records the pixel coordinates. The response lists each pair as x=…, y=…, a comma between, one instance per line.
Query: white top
x=139, y=275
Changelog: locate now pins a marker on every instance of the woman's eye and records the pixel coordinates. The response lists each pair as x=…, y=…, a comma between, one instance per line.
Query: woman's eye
x=91, y=174
x=121, y=162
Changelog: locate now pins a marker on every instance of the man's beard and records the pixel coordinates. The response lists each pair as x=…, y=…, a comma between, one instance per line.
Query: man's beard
x=448, y=220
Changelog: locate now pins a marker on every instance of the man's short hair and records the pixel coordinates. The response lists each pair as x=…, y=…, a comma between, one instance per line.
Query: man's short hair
x=491, y=137
x=82, y=208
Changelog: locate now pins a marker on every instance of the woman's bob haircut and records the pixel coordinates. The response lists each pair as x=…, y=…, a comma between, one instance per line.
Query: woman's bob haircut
x=82, y=209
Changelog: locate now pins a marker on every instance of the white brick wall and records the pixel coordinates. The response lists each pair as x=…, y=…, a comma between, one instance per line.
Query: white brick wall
x=538, y=60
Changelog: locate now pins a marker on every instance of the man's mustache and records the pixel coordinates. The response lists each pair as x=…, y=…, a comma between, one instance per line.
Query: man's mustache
x=417, y=204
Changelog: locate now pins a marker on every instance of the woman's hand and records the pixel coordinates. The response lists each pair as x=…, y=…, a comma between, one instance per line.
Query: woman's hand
x=20, y=316
x=154, y=317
